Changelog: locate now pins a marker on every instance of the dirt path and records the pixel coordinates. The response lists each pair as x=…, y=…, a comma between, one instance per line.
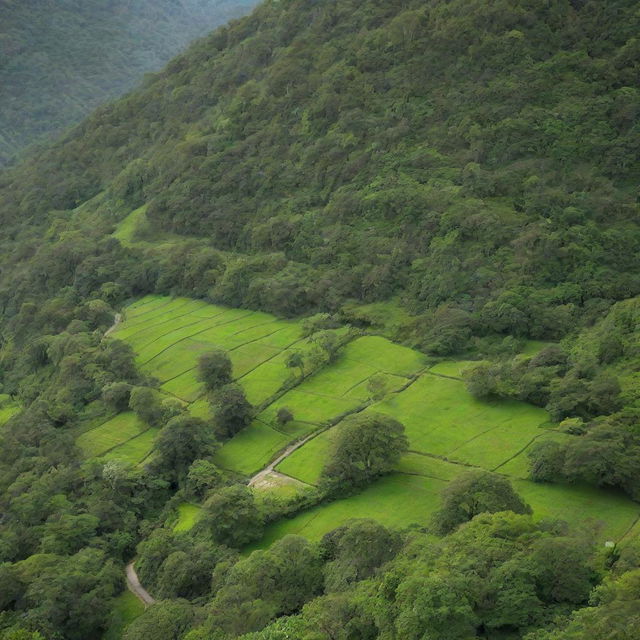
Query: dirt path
x=133, y=583
x=117, y=319
x=285, y=454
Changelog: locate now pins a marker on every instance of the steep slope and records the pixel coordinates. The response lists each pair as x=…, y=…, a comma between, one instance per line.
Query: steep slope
x=458, y=175
x=59, y=60
x=479, y=160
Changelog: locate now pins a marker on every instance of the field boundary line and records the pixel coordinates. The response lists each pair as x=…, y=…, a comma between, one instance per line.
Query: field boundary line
x=162, y=306
x=168, y=333
x=443, y=375
x=420, y=475
x=630, y=528
x=523, y=449
x=110, y=449
x=157, y=324
x=188, y=337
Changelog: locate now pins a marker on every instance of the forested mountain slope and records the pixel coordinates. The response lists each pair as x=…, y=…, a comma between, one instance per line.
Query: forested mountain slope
x=459, y=176
x=61, y=59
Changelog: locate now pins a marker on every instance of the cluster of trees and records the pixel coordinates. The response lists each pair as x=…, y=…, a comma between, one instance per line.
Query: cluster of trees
x=495, y=571
x=567, y=385
x=585, y=383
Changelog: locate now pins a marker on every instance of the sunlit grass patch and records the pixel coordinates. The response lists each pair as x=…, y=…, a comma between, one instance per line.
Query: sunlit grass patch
x=112, y=433
x=251, y=449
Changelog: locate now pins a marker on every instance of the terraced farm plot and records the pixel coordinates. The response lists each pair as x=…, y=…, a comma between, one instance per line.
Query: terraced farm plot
x=306, y=463
x=442, y=418
x=136, y=450
x=395, y=501
x=169, y=335
x=111, y=434
x=448, y=429
x=251, y=449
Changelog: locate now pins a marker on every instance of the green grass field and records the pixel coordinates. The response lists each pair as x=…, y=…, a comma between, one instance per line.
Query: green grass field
x=251, y=449
x=136, y=450
x=188, y=515
x=395, y=501
x=114, y=432
x=449, y=430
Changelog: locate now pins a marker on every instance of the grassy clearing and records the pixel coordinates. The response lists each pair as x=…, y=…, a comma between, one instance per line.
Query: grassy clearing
x=136, y=450
x=112, y=433
x=442, y=418
x=385, y=356
x=610, y=510
x=126, y=608
x=126, y=229
x=252, y=449
x=395, y=501
x=8, y=408
x=453, y=368
x=306, y=463
x=518, y=466
x=188, y=515
x=423, y=465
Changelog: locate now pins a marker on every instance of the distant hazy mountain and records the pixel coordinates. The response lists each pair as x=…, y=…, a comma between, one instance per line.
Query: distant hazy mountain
x=59, y=59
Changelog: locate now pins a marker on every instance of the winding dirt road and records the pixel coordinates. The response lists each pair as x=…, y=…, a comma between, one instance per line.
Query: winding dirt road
x=285, y=454
x=133, y=584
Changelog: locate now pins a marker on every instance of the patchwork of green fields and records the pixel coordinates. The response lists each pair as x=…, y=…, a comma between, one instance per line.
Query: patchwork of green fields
x=449, y=430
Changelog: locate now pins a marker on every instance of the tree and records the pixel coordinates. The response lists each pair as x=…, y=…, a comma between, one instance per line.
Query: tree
x=377, y=386
x=232, y=411
x=203, y=476
x=295, y=360
x=472, y=493
x=166, y=620
x=183, y=440
x=354, y=551
x=232, y=517
x=284, y=416
x=434, y=606
x=214, y=369
x=546, y=461
x=117, y=395
x=144, y=401
x=365, y=446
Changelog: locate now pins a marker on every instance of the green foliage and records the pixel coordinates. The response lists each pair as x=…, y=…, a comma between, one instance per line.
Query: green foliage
x=231, y=516
x=472, y=493
x=182, y=440
x=146, y=404
x=364, y=447
x=163, y=621
x=214, y=369
x=232, y=412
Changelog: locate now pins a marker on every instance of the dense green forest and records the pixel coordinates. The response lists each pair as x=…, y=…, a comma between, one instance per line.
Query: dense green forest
x=60, y=59
x=459, y=176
